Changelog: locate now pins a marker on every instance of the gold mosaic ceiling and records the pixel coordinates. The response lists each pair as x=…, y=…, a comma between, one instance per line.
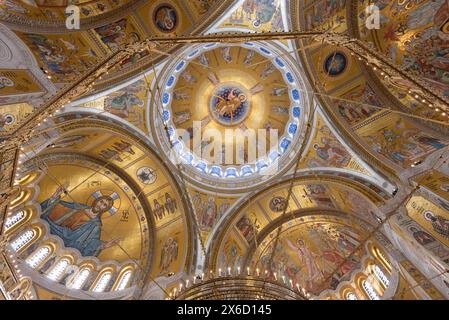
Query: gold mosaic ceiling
x=352, y=135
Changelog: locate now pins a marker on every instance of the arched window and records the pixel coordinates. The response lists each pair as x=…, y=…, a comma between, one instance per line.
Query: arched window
x=381, y=276
x=372, y=294
x=351, y=296
x=80, y=279
x=14, y=219
x=38, y=257
x=22, y=240
x=102, y=282
x=382, y=258
x=58, y=270
x=124, y=280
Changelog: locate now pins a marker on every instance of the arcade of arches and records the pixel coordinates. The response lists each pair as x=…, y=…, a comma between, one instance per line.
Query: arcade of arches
x=290, y=149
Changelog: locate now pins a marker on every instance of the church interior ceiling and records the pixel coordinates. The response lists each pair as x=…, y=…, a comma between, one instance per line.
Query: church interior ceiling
x=110, y=195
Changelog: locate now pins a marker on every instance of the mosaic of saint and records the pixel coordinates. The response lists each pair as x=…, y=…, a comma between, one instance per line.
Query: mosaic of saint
x=433, y=218
x=355, y=112
x=325, y=14
x=209, y=209
x=414, y=35
x=229, y=105
x=127, y=103
x=79, y=224
x=400, y=141
x=169, y=254
x=261, y=15
x=99, y=217
x=165, y=18
x=64, y=56
x=335, y=64
x=316, y=255
x=326, y=149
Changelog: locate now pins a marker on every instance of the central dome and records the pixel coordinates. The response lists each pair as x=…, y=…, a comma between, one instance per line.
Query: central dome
x=233, y=112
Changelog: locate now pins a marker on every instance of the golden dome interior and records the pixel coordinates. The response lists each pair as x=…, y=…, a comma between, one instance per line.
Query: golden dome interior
x=100, y=199
x=240, y=69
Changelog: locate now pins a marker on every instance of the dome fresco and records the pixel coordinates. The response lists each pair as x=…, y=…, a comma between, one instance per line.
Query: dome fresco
x=232, y=90
x=311, y=252
x=236, y=149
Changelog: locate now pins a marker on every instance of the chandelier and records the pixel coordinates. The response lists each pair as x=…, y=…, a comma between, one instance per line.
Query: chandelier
x=238, y=287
